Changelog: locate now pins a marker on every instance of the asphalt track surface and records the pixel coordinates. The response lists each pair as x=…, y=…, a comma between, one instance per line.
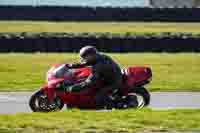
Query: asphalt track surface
x=13, y=102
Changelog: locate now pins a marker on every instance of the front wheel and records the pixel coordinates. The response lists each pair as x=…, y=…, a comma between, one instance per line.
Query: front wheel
x=39, y=103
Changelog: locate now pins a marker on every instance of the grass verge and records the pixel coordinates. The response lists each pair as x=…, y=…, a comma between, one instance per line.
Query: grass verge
x=98, y=27
x=126, y=121
x=171, y=72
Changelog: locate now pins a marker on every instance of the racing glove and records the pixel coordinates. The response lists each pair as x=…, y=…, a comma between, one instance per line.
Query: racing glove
x=69, y=66
x=76, y=65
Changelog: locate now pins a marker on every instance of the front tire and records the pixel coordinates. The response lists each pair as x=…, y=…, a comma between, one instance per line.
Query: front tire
x=39, y=103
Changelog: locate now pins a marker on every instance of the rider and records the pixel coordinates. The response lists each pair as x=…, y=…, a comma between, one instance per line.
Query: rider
x=103, y=68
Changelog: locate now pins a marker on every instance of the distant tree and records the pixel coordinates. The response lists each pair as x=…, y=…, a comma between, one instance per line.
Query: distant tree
x=194, y=3
x=197, y=2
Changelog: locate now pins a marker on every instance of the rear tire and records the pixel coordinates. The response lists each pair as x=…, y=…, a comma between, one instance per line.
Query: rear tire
x=131, y=101
x=144, y=93
x=39, y=103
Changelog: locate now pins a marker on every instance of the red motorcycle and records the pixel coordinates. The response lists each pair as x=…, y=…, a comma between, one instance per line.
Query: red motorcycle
x=131, y=94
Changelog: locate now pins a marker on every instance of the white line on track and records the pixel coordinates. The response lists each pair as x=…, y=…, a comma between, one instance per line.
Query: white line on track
x=7, y=99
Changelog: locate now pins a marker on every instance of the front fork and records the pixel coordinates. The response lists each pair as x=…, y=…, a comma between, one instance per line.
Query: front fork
x=49, y=89
x=50, y=93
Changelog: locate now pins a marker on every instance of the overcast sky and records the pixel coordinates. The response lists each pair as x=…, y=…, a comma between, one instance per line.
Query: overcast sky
x=139, y=3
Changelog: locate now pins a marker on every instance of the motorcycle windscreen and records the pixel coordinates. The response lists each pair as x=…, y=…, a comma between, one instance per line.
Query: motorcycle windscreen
x=59, y=71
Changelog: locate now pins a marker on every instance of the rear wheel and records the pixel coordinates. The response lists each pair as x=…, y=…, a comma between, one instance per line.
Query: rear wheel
x=143, y=96
x=132, y=101
x=139, y=97
x=39, y=103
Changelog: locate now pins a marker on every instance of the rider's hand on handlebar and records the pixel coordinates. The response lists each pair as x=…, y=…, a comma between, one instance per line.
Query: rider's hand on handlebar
x=69, y=65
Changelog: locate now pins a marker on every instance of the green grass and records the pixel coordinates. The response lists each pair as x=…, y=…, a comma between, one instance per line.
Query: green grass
x=171, y=72
x=126, y=121
x=99, y=27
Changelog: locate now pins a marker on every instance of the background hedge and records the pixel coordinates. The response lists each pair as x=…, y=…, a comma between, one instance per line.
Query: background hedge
x=54, y=13
x=63, y=42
